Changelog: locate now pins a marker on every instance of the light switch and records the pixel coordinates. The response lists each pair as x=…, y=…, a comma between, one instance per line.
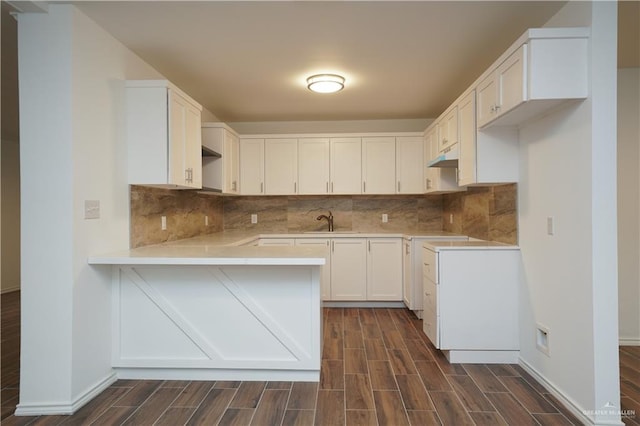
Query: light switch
x=385, y=218
x=163, y=223
x=254, y=218
x=92, y=209
x=550, y=226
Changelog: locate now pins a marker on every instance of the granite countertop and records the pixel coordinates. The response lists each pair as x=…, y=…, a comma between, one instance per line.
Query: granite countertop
x=232, y=248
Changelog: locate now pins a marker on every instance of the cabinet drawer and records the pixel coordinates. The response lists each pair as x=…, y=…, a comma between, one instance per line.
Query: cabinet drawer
x=430, y=296
x=430, y=264
x=430, y=324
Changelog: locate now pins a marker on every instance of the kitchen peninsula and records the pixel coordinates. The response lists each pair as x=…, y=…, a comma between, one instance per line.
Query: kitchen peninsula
x=221, y=307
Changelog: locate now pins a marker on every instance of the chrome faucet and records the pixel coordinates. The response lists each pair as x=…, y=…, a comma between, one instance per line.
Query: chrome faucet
x=329, y=219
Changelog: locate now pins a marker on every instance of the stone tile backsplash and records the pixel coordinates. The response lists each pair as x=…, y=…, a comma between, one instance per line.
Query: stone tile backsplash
x=185, y=212
x=488, y=213
x=351, y=213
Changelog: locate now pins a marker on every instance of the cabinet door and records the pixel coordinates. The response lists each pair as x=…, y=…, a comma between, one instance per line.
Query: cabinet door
x=378, y=165
x=407, y=272
x=409, y=165
x=281, y=166
x=384, y=269
x=252, y=166
x=346, y=166
x=467, y=140
x=511, y=81
x=177, y=139
x=313, y=166
x=231, y=158
x=487, y=98
x=348, y=269
x=325, y=274
x=193, y=146
x=448, y=129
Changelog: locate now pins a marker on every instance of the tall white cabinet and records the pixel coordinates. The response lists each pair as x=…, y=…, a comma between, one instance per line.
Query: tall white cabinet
x=163, y=135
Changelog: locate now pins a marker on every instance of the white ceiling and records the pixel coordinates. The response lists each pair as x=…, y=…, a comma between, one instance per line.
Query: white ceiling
x=247, y=61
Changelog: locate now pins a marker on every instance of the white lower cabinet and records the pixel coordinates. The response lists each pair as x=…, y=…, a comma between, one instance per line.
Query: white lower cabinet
x=470, y=303
x=356, y=269
x=384, y=269
x=325, y=274
x=349, y=269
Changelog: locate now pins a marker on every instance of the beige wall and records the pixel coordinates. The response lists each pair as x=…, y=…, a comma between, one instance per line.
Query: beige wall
x=629, y=205
x=10, y=156
x=10, y=191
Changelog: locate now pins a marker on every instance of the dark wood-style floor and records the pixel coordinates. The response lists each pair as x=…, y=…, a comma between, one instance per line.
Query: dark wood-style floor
x=378, y=368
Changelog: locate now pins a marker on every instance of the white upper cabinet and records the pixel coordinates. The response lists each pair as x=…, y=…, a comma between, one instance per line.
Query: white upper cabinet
x=544, y=67
x=448, y=130
x=346, y=165
x=410, y=165
x=437, y=179
x=313, y=166
x=281, y=166
x=252, y=166
x=467, y=139
x=504, y=89
x=163, y=135
x=379, y=165
x=221, y=174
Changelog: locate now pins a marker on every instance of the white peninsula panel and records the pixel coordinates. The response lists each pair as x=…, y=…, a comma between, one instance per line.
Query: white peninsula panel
x=216, y=322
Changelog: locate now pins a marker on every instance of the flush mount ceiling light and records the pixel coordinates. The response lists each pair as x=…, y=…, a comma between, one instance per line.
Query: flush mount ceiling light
x=325, y=83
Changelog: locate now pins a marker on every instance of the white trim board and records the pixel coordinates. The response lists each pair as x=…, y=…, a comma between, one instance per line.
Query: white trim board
x=568, y=402
x=629, y=341
x=72, y=407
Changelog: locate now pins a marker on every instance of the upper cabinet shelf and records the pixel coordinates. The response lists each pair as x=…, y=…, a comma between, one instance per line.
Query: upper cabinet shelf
x=544, y=67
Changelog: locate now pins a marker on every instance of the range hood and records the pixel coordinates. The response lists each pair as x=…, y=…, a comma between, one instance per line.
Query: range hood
x=449, y=158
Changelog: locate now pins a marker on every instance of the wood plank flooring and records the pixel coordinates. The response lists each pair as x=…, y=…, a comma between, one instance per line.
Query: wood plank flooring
x=378, y=368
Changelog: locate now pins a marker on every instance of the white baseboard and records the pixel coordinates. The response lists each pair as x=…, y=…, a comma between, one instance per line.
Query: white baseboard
x=629, y=341
x=568, y=403
x=70, y=408
x=10, y=289
x=217, y=374
x=363, y=304
x=482, y=357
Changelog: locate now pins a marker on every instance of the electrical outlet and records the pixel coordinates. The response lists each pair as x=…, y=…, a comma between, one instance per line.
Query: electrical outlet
x=450, y=217
x=163, y=223
x=254, y=218
x=385, y=218
x=91, y=209
x=542, y=339
x=551, y=229
x=206, y=220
